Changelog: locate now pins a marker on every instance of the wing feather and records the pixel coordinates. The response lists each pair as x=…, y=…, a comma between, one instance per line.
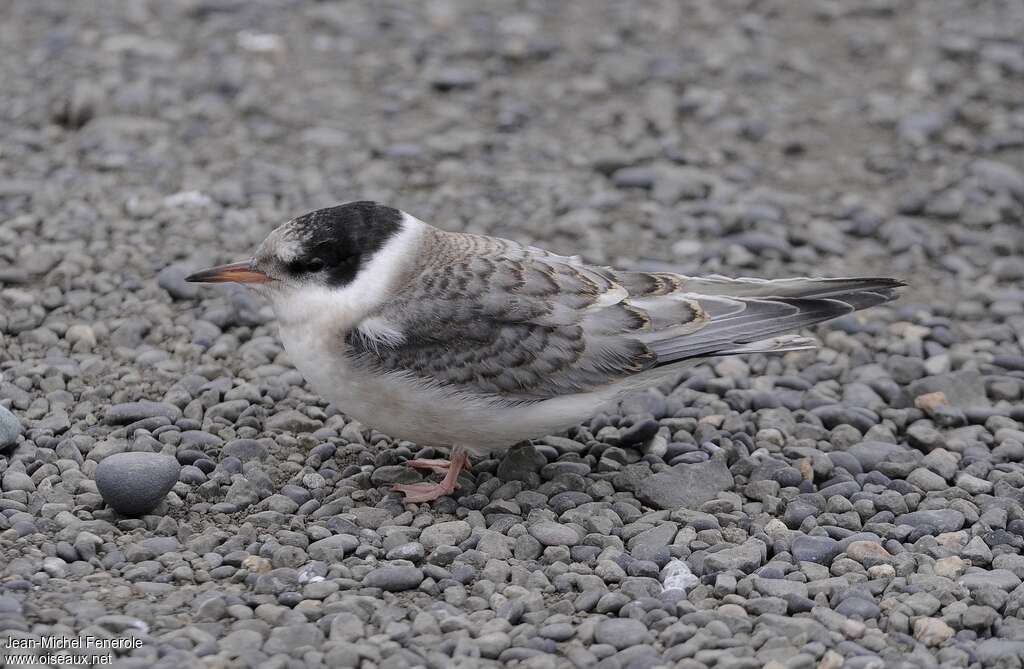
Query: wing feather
x=495, y=319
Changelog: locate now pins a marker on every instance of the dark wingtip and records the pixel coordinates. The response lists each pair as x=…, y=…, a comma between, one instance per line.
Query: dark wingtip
x=882, y=281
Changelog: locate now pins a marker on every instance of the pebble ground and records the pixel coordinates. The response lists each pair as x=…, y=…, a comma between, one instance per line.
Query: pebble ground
x=859, y=506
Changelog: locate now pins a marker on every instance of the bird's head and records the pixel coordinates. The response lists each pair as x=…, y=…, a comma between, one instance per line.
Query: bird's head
x=324, y=250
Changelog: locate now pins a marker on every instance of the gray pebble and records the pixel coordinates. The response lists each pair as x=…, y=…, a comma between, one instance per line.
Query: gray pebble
x=135, y=483
x=245, y=449
x=10, y=428
x=621, y=633
x=554, y=534
x=451, y=533
x=394, y=578
x=933, y=521
x=686, y=486
x=333, y=548
x=520, y=463
x=821, y=550
x=130, y=412
x=15, y=480
x=747, y=557
x=172, y=279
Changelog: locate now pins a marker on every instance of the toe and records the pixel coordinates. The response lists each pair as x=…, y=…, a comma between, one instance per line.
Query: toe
x=434, y=465
x=416, y=493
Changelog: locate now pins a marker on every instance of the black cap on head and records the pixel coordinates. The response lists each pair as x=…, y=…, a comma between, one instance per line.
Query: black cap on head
x=336, y=241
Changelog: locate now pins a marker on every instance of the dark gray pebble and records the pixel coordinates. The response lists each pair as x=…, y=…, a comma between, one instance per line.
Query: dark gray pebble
x=134, y=483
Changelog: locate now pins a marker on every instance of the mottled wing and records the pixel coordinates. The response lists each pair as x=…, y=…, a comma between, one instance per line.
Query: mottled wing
x=491, y=317
x=508, y=321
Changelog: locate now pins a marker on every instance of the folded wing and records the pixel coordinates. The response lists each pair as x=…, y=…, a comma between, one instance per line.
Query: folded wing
x=518, y=324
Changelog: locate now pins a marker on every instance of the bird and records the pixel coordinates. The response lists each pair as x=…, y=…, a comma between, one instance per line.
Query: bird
x=475, y=343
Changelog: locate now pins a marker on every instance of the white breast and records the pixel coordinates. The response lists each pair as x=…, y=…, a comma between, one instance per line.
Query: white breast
x=406, y=409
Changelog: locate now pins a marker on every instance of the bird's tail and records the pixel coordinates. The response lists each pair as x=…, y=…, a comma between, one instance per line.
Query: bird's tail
x=752, y=315
x=859, y=293
x=781, y=344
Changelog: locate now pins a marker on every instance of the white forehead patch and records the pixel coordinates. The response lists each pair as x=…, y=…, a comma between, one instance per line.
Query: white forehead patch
x=288, y=249
x=283, y=243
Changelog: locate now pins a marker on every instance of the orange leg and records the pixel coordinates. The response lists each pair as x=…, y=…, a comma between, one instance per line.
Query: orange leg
x=435, y=465
x=426, y=492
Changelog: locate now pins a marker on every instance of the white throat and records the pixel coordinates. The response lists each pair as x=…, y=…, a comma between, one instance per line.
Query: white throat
x=342, y=309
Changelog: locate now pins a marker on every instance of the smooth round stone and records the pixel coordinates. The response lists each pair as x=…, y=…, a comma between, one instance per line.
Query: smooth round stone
x=550, y=533
x=135, y=483
x=821, y=550
x=450, y=533
x=394, y=578
x=858, y=607
x=10, y=428
x=131, y=412
x=621, y=632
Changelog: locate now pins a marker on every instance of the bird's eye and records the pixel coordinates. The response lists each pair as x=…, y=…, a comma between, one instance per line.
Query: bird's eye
x=305, y=266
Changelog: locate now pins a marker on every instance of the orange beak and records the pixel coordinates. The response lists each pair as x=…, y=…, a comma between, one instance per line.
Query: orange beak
x=237, y=272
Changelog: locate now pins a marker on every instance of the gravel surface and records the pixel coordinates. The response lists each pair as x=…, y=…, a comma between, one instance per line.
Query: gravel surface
x=859, y=506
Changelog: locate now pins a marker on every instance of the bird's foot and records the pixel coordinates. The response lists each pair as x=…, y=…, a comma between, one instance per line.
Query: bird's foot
x=435, y=465
x=416, y=493
x=427, y=492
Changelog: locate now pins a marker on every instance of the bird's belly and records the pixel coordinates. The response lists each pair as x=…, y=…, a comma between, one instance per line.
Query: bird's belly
x=430, y=416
